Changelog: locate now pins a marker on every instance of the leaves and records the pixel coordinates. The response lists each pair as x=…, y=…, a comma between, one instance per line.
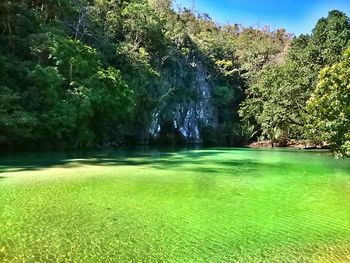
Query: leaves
x=329, y=106
x=288, y=100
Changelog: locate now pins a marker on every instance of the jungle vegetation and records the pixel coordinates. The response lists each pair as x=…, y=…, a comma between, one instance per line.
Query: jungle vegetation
x=307, y=96
x=81, y=73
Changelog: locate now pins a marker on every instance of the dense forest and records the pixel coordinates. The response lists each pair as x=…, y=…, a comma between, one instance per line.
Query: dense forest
x=87, y=73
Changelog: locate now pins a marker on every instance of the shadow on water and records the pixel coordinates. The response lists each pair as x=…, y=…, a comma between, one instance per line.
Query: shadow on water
x=203, y=161
x=154, y=159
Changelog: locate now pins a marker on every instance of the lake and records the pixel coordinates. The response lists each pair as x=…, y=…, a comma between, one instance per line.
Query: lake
x=209, y=205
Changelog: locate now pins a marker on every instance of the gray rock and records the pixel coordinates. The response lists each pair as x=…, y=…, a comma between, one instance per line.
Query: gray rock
x=188, y=117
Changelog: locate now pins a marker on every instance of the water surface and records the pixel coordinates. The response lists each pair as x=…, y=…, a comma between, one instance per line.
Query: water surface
x=214, y=205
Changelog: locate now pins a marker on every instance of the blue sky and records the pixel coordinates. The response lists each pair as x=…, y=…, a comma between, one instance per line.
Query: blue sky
x=296, y=16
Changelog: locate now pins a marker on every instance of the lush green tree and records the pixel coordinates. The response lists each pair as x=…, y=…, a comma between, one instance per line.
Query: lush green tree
x=16, y=124
x=330, y=37
x=277, y=98
x=277, y=101
x=329, y=106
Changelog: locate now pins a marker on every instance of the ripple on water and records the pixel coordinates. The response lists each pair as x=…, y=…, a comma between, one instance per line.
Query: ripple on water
x=205, y=206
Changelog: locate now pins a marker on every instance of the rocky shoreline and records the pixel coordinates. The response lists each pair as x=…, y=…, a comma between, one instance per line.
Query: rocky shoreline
x=302, y=145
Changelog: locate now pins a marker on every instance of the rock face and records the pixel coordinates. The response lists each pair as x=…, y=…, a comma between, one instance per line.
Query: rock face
x=187, y=118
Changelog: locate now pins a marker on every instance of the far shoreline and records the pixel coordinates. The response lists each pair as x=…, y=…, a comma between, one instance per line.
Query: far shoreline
x=295, y=144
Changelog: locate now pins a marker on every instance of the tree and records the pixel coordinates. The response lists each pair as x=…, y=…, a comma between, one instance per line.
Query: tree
x=330, y=37
x=277, y=98
x=329, y=106
x=277, y=101
x=16, y=124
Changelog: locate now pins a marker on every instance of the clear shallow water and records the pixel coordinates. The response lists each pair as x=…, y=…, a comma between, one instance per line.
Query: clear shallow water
x=216, y=205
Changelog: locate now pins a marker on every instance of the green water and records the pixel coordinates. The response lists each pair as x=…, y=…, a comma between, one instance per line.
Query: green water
x=216, y=205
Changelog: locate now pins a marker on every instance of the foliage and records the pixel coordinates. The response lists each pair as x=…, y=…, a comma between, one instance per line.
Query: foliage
x=277, y=99
x=329, y=106
x=78, y=73
x=330, y=38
